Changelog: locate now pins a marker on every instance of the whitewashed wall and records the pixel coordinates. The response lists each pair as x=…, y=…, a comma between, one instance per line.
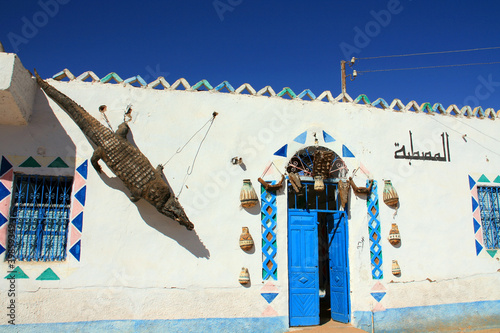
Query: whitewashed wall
x=136, y=264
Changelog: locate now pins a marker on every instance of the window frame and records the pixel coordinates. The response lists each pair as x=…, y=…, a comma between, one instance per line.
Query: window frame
x=39, y=217
x=489, y=208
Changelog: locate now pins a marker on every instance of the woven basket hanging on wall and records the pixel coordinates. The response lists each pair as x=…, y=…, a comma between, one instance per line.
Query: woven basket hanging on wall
x=394, y=236
x=244, y=276
x=391, y=198
x=246, y=240
x=248, y=197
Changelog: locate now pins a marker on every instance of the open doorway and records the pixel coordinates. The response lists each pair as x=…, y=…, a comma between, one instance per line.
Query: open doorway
x=317, y=255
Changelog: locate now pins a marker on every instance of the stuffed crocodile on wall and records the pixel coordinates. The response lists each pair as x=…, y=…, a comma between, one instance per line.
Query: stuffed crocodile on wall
x=126, y=161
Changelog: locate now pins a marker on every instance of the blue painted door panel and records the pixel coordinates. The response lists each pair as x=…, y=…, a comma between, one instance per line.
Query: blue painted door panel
x=339, y=272
x=303, y=268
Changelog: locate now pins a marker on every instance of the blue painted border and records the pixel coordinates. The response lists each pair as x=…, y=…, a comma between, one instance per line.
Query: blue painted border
x=458, y=317
x=205, y=325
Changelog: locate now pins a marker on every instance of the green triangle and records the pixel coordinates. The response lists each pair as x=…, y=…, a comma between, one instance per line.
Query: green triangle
x=17, y=273
x=58, y=163
x=492, y=253
x=30, y=163
x=483, y=179
x=48, y=274
x=497, y=180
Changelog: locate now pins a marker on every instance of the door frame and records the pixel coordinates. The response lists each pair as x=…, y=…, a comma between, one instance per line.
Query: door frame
x=346, y=235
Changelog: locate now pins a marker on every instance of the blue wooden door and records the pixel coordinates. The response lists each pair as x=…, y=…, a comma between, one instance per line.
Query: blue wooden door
x=339, y=267
x=303, y=268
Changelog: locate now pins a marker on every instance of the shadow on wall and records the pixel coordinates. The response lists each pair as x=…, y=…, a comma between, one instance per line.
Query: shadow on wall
x=43, y=135
x=170, y=228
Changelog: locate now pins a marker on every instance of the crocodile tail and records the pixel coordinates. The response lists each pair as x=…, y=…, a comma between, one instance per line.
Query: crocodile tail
x=88, y=124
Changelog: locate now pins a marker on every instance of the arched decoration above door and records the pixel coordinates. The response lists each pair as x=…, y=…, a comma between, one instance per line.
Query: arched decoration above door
x=302, y=162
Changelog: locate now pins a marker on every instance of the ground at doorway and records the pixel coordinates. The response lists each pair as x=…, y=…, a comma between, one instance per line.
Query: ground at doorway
x=330, y=326
x=336, y=327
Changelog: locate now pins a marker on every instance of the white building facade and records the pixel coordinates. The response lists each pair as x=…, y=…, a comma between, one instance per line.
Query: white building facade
x=108, y=263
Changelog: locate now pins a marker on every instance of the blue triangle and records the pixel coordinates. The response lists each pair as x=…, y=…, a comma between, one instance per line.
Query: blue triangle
x=3, y=219
x=4, y=166
x=4, y=192
x=80, y=195
x=476, y=226
x=479, y=247
x=75, y=250
x=301, y=138
x=269, y=297
x=78, y=221
x=346, y=152
x=378, y=296
x=471, y=182
x=327, y=137
x=281, y=151
x=2, y=249
x=82, y=169
x=474, y=204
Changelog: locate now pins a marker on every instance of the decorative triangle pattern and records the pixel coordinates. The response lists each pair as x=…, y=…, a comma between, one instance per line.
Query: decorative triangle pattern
x=80, y=195
x=16, y=273
x=269, y=312
x=377, y=287
x=474, y=204
x=479, y=248
x=4, y=192
x=378, y=296
x=346, y=152
x=269, y=287
x=483, y=179
x=471, y=182
x=58, y=163
x=48, y=274
x=75, y=250
x=78, y=222
x=497, y=180
x=326, y=96
x=281, y=151
x=492, y=253
x=476, y=226
x=378, y=307
x=3, y=219
x=4, y=166
x=30, y=163
x=327, y=137
x=2, y=249
x=301, y=138
x=269, y=297
x=82, y=169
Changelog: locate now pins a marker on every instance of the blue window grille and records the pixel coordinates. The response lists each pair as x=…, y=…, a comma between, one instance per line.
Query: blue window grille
x=38, y=226
x=489, y=197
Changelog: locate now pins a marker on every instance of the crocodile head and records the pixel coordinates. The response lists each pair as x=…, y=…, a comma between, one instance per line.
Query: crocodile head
x=174, y=210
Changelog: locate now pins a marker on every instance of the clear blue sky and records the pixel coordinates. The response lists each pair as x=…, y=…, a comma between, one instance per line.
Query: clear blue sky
x=296, y=44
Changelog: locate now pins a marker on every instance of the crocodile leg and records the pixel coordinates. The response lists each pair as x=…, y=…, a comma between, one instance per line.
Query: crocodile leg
x=122, y=130
x=98, y=153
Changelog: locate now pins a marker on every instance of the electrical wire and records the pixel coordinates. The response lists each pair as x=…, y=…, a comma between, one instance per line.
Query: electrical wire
x=428, y=53
x=427, y=67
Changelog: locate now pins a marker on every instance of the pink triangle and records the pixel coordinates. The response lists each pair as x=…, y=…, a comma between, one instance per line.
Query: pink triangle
x=473, y=192
x=3, y=235
x=269, y=287
x=78, y=182
x=4, y=206
x=269, y=312
x=477, y=215
x=74, y=236
x=76, y=209
x=479, y=236
x=8, y=177
x=378, y=287
x=364, y=169
x=378, y=307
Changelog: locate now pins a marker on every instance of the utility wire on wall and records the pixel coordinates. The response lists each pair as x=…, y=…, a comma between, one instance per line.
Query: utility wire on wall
x=428, y=53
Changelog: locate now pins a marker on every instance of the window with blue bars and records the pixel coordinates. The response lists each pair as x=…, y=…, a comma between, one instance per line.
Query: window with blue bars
x=39, y=217
x=489, y=197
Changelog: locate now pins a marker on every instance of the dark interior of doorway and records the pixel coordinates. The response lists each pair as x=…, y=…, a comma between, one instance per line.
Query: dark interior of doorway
x=324, y=270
